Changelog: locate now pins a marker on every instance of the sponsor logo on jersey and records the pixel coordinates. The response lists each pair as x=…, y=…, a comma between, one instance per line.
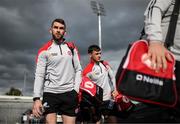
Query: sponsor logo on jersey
x=54, y=54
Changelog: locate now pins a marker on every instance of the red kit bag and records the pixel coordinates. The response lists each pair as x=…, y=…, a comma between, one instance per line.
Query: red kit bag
x=90, y=92
x=138, y=81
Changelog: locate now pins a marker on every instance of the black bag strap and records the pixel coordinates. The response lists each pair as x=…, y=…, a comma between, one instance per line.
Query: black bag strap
x=172, y=25
x=71, y=46
x=111, y=85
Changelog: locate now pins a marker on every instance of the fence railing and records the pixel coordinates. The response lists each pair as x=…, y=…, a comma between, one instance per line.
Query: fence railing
x=12, y=108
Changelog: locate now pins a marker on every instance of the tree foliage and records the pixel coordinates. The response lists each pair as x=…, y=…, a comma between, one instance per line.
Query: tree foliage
x=14, y=92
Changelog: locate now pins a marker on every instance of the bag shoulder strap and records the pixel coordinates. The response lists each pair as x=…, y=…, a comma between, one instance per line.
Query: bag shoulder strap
x=105, y=65
x=172, y=25
x=71, y=46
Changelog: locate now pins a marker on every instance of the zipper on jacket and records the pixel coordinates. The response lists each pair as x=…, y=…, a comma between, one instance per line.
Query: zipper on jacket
x=60, y=49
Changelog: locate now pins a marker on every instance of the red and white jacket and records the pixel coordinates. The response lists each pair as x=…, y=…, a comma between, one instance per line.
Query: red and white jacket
x=101, y=74
x=55, y=71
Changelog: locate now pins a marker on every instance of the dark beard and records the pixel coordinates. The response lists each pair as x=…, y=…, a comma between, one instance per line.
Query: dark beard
x=58, y=40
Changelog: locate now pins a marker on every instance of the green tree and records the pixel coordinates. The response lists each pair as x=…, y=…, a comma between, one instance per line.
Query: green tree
x=14, y=92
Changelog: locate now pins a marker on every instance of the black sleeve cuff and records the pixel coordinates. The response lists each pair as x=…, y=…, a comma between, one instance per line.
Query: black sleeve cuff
x=36, y=98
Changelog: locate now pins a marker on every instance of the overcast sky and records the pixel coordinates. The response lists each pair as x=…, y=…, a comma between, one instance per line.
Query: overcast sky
x=24, y=26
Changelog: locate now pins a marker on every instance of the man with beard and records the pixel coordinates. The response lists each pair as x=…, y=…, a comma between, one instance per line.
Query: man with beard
x=57, y=76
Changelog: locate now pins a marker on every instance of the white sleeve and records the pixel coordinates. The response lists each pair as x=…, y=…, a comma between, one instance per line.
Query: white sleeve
x=40, y=74
x=78, y=70
x=112, y=77
x=153, y=16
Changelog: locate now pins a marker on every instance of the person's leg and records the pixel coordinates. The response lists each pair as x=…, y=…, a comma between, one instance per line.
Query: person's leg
x=112, y=119
x=110, y=112
x=98, y=122
x=68, y=119
x=69, y=108
x=85, y=113
x=51, y=118
x=50, y=106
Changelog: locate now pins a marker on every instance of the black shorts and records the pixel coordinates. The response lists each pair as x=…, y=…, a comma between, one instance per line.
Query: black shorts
x=93, y=113
x=63, y=103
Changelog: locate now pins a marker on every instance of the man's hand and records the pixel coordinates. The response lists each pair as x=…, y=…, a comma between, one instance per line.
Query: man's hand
x=114, y=94
x=158, y=55
x=37, y=107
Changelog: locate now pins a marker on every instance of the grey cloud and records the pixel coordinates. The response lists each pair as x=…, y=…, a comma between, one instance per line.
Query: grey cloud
x=25, y=24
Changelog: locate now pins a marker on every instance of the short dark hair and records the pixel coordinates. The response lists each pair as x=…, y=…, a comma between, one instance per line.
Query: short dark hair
x=60, y=21
x=93, y=47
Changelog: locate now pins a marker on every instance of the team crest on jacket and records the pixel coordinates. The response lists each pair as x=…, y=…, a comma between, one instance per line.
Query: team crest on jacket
x=69, y=53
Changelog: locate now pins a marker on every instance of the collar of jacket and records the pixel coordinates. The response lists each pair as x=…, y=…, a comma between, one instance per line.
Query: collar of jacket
x=59, y=42
x=93, y=62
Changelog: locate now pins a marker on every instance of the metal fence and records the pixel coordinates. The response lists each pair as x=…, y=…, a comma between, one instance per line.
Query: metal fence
x=12, y=107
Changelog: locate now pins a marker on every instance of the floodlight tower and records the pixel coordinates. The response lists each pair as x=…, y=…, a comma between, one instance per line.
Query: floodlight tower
x=98, y=8
x=25, y=77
